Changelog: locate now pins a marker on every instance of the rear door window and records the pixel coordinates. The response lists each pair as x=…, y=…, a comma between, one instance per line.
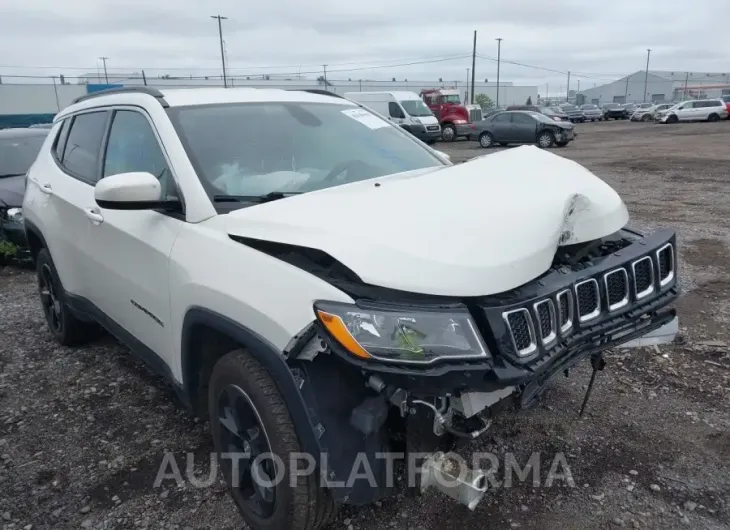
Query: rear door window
x=81, y=155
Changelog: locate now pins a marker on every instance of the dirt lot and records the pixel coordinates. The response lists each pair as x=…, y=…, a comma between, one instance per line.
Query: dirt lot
x=83, y=431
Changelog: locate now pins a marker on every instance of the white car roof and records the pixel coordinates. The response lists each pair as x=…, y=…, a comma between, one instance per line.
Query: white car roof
x=178, y=97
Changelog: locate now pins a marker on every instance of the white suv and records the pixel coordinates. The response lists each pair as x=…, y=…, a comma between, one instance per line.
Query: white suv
x=697, y=110
x=302, y=271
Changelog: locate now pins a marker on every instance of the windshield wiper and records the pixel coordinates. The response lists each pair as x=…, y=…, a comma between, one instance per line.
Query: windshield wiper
x=268, y=197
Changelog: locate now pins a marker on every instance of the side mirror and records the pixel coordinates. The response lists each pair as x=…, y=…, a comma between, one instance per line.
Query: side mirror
x=129, y=191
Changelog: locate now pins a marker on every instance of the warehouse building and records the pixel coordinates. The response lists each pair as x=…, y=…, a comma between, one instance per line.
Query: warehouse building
x=630, y=89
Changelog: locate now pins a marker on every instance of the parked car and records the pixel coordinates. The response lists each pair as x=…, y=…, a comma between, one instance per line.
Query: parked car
x=726, y=99
x=574, y=113
x=522, y=127
x=166, y=218
x=492, y=112
x=629, y=108
x=694, y=110
x=614, y=111
x=547, y=111
x=591, y=112
x=41, y=126
x=649, y=113
x=18, y=151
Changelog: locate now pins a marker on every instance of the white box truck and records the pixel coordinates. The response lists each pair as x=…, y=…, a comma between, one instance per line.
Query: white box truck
x=406, y=109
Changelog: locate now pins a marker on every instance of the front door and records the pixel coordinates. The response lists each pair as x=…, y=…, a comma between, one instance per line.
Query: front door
x=131, y=265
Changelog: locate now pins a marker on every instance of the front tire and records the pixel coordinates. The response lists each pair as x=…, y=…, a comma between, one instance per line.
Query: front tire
x=486, y=140
x=65, y=327
x=248, y=415
x=646, y=117
x=546, y=139
x=672, y=119
x=448, y=132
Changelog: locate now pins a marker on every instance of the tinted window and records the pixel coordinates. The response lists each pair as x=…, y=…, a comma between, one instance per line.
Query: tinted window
x=62, y=137
x=293, y=147
x=18, y=154
x=501, y=118
x=522, y=119
x=394, y=110
x=81, y=155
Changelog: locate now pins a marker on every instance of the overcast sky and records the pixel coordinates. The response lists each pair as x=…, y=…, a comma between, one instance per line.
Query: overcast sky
x=598, y=41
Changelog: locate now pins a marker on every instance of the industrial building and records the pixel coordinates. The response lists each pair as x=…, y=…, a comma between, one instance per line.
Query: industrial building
x=661, y=85
x=23, y=104
x=630, y=89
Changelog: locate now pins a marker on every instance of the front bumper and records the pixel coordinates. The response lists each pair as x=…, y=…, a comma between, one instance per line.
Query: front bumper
x=424, y=134
x=465, y=129
x=558, y=348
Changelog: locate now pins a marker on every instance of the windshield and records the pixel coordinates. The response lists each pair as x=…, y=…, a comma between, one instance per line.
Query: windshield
x=569, y=107
x=548, y=111
x=588, y=107
x=540, y=117
x=452, y=99
x=17, y=154
x=416, y=108
x=612, y=106
x=254, y=149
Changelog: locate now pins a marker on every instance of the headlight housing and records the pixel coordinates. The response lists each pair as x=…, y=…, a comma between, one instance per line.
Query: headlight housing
x=397, y=335
x=15, y=215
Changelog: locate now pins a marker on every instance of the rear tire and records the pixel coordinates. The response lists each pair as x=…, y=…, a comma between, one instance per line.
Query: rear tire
x=65, y=327
x=713, y=117
x=486, y=140
x=545, y=139
x=243, y=394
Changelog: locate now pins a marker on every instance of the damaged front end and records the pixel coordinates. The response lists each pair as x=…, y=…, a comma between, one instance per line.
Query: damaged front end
x=417, y=372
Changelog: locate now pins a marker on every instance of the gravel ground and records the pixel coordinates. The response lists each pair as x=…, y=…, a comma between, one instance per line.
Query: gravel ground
x=83, y=431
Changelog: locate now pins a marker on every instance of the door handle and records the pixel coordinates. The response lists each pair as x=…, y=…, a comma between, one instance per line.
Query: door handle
x=94, y=215
x=46, y=188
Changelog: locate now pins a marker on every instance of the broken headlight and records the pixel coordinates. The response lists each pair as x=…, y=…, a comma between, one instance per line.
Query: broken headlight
x=403, y=336
x=15, y=215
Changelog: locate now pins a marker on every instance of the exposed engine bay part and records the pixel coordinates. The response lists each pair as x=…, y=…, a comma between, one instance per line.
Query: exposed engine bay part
x=451, y=477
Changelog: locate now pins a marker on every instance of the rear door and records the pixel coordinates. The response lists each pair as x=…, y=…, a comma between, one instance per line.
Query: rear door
x=68, y=181
x=502, y=127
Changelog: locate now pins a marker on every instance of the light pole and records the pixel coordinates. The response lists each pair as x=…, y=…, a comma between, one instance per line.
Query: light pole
x=646, y=74
x=220, y=38
x=466, y=96
x=106, y=77
x=499, y=58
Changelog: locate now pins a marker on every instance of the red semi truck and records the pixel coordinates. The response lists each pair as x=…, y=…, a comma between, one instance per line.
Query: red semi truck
x=456, y=119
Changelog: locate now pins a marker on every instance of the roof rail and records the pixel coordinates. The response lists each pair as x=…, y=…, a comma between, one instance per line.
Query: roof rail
x=318, y=91
x=125, y=89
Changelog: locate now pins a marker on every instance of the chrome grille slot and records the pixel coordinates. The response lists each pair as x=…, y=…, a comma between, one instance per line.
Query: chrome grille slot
x=546, y=325
x=522, y=330
x=665, y=262
x=588, y=299
x=643, y=277
x=617, y=289
x=565, y=310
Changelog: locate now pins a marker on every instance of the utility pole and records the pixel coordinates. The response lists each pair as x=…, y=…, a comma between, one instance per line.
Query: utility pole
x=144, y=78
x=325, y=76
x=106, y=77
x=567, y=91
x=646, y=74
x=466, y=96
x=220, y=38
x=686, y=78
x=473, y=66
x=626, y=90
x=499, y=58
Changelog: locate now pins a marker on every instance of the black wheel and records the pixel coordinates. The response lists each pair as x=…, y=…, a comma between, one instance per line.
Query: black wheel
x=713, y=117
x=545, y=139
x=672, y=119
x=486, y=140
x=448, y=132
x=249, y=418
x=65, y=327
x=646, y=117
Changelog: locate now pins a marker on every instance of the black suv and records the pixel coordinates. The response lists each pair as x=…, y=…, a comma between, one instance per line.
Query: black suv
x=614, y=111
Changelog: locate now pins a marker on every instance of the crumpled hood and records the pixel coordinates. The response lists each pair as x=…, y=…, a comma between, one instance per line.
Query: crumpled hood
x=478, y=228
x=11, y=191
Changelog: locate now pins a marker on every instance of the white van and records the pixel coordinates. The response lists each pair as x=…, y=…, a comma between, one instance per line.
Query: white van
x=406, y=109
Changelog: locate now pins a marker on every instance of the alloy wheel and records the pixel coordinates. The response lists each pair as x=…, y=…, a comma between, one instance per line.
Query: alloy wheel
x=249, y=467
x=49, y=299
